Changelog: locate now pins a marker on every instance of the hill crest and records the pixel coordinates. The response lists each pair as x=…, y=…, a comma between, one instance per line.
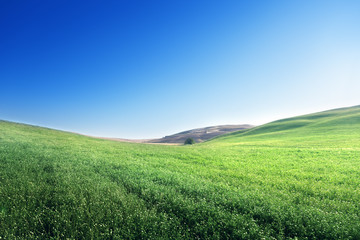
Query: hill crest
x=200, y=134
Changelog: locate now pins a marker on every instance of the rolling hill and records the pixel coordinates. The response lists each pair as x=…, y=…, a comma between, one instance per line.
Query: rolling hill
x=200, y=134
x=295, y=178
x=336, y=126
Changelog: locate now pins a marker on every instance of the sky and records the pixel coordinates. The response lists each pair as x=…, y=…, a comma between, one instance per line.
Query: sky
x=146, y=69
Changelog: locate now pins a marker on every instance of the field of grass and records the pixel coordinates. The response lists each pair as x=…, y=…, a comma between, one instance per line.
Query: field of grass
x=295, y=178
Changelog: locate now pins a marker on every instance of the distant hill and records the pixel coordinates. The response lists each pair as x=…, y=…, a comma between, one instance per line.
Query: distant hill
x=200, y=134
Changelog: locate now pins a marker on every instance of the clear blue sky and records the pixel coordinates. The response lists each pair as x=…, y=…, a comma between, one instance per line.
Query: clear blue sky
x=144, y=69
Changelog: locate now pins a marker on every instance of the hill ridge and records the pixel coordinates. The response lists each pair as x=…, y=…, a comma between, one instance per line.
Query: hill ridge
x=200, y=134
x=340, y=121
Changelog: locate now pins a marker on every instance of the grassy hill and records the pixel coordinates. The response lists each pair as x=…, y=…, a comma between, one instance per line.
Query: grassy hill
x=337, y=127
x=296, y=178
x=200, y=134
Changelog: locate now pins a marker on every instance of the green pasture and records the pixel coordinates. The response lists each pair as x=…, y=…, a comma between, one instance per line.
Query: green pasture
x=296, y=178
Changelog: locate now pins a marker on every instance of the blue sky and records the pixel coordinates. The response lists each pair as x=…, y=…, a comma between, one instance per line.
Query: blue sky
x=145, y=69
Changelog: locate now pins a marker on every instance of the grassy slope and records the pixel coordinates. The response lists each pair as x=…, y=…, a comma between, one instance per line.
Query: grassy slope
x=338, y=127
x=292, y=178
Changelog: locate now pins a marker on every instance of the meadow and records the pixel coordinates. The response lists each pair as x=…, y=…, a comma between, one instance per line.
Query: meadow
x=295, y=178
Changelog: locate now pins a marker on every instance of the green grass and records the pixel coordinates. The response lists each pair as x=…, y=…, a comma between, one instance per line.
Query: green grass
x=295, y=178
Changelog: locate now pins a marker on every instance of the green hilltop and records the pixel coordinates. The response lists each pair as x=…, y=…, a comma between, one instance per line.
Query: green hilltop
x=295, y=178
x=338, y=127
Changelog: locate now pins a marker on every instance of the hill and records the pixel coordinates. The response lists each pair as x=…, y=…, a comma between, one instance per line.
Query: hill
x=295, y=178
x=200, y=134
x=328, y=127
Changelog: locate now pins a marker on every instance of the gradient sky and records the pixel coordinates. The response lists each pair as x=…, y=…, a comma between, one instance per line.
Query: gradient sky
x=145, y=69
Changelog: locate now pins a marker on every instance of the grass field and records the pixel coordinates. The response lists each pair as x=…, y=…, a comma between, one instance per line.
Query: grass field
x=295, y=178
